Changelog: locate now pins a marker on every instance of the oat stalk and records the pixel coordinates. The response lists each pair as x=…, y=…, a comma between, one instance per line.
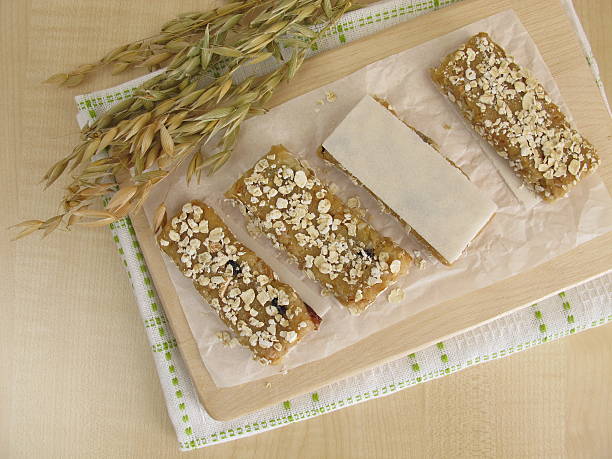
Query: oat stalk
x=152, y=52
x=177, y=115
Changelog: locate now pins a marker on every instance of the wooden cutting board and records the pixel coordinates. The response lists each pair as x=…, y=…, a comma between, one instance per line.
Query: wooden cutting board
x=553, y=34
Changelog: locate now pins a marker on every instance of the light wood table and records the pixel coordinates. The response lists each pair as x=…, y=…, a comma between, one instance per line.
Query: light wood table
x=76, y=375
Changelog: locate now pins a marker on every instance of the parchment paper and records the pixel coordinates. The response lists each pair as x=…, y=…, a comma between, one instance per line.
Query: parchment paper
x=518, y=238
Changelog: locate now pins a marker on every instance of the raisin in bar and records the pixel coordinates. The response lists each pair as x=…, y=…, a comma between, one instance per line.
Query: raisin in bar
x=413, y=181
x=317, y=230
x=266, y=315
x=512, y=111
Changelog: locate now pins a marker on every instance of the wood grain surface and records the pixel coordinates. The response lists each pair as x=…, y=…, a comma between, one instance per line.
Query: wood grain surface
x=70, y=327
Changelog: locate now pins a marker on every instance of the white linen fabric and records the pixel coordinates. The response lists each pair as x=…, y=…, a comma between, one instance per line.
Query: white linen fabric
x=580, y=308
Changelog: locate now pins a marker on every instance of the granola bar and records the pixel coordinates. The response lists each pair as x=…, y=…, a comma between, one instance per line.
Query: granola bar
x=415, y=183
x=511, y=110
x=266, y=315
x=326, y=238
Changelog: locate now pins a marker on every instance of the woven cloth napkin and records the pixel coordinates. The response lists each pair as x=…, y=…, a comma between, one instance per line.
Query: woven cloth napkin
x=583, y=307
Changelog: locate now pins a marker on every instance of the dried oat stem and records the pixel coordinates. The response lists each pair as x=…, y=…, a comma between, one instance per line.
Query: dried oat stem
x=152, y=52
x=174, y=114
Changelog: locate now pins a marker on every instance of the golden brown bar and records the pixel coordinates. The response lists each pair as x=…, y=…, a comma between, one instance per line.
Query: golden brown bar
x=330, y=241
x=266, y=315
x=512, y=111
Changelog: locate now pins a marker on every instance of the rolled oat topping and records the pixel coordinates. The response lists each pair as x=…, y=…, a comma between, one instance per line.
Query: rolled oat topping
x=509, y=107
x=327, y=239
x=265, y=314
